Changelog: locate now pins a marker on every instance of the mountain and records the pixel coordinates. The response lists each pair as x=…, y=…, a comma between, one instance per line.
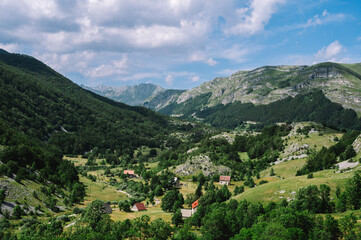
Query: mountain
x=42, y=104
x=341, y=83
x=131, y=95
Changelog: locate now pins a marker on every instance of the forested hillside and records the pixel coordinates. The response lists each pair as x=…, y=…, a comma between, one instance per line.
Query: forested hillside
x=45, y=105
x=313, y=106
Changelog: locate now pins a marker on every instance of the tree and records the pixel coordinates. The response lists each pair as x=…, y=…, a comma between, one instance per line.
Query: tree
x=347, y=224
x=159, y=229
x=341, y=204
x=2, y=196
x=272, y=173
x=223, y=194
x=17, y=212
x=94, y=212
x=185, y=234
x=198, y=192
x=177, y=218
x=353, y=190
x=171, y=201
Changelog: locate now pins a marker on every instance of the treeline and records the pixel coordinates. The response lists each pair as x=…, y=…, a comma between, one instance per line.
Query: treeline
x=313, y=106
x=43, y=104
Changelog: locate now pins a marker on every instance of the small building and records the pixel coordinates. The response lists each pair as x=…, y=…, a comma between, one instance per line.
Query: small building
x=194, y=207
x=138, y=207
x=186, y=213
x=107, y=208
x=129, y=173
x=225, y=180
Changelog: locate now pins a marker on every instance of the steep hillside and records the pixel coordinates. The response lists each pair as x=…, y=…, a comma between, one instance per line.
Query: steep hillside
x=44, y=105
x=132, y=95
x=339, y=82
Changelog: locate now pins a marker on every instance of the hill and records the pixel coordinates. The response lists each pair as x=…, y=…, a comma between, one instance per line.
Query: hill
x=44, y=105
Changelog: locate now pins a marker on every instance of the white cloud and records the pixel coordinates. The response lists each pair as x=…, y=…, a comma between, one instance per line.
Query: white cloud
x=169, y=79
x=78, y=61
x=325, y=18
x=195, y=78
x=334, y=52
x=201, y=57
x=331, y=52
x=105, y=70
x=252, y=20
x=10, y=47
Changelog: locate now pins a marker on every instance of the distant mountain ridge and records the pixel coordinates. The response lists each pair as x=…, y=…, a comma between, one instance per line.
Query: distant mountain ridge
x=131, y=95
x=341, y=83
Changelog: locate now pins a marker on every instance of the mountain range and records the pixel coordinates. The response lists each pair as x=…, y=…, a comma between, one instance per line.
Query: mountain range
x=340, y=83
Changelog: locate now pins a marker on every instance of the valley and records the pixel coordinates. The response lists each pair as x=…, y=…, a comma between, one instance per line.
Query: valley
x=76, y=165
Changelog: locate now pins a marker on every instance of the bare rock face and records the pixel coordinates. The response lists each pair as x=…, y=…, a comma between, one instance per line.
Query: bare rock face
x=357, y=144
x=339, y=82
x=198, y=164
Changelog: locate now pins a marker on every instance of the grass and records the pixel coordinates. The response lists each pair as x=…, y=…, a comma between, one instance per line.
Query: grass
x=286, y=188
x=285, y=169
x=153, y=212
x=244, y=155
x=101, y=191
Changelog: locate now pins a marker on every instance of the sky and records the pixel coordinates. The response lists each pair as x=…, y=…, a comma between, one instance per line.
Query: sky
x=178, y=43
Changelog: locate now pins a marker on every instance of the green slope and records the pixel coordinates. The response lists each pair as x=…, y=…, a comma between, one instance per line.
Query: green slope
x=47, y=106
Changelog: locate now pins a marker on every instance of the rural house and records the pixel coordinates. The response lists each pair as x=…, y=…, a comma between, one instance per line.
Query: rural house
x=186, y=213
x=138, y=207
x=129, y=173
x=225, y=180
x=194, y=207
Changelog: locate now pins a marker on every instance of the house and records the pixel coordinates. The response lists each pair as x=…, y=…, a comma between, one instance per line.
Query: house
x=186, y=213
x=194, y=207
x=225, y=180
x=107, y=208
x=129, y=173
x=138, y=207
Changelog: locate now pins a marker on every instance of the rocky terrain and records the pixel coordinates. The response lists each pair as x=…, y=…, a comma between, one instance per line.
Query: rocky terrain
x=198, y=164
x=271, y=83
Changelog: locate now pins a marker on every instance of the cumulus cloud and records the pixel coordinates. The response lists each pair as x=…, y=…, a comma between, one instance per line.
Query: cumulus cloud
x=101, y=38
x=252, y=19
x=201, y=57
x=105, y=70
x=331, y=52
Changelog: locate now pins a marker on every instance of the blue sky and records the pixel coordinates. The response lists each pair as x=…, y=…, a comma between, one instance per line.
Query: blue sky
x=178, y=43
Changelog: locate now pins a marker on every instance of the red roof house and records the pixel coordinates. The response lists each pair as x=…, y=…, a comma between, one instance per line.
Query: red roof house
x=129, y=173
x=138, y=207
x=195, y=204
x=225, y=180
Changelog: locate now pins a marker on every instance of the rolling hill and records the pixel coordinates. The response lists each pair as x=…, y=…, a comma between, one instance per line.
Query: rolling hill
x=44, y=105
